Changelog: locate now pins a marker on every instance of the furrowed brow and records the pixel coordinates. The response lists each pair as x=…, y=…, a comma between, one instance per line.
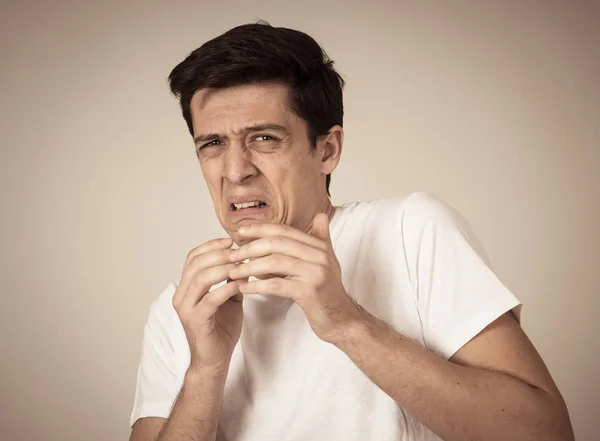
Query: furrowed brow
x=207, y=137
x=266, y=126
x=254, y=128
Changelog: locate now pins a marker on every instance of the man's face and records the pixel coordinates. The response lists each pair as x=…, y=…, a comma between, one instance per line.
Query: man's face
x=257, y=159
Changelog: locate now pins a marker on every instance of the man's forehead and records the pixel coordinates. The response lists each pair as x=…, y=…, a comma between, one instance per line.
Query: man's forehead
x=242, y=106
x=265, y=95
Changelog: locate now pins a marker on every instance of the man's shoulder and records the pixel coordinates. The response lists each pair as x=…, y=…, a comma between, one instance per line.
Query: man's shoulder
x=421, y=210
x=418, y=206
x=420, y=201
x=386, y=218
x=406, y=217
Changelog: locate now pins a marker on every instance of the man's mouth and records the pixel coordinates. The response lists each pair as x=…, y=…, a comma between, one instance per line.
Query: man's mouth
x=246, y=205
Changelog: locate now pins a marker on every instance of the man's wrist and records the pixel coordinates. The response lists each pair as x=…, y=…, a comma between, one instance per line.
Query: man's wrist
x=204, y=374
x=354, y=330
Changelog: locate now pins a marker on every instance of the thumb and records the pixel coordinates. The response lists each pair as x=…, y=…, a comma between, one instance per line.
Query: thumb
x=320, y=227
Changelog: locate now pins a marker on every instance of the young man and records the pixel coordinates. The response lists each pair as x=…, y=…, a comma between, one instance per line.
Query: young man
x=369, y=321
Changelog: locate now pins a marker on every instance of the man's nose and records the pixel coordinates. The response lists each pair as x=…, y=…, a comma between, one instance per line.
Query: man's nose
x=238, y=167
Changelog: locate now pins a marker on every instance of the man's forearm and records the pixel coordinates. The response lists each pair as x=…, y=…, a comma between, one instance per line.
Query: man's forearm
x=195, y=415
x=456, y=402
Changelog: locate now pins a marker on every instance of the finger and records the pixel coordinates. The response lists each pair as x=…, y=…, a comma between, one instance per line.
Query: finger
x=279, y=245
x=256, y=231
x=212, y=301
x=273, y=264
x=202, y=282
x=206, y=260
x=198, y=260
x=211, y=245
x=276, y=286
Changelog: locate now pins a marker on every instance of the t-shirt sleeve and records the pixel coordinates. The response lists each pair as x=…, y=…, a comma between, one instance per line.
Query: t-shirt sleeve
x=458, y=294
x=158, y=381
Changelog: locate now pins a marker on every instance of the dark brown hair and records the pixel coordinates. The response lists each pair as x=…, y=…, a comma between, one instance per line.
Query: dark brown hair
x=261, y=53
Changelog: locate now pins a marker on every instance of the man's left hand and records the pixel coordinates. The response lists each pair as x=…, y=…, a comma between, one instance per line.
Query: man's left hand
x=299, y=266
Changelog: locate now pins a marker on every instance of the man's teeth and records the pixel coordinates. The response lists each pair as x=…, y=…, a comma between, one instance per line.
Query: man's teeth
x=248, y=204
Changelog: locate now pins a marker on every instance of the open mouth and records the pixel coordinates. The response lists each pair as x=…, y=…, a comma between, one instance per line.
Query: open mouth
x=246, y=205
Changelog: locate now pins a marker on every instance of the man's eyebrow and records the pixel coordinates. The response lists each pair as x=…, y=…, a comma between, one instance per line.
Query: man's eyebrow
x=207, y=137
x=255, y=128
x=266, y=126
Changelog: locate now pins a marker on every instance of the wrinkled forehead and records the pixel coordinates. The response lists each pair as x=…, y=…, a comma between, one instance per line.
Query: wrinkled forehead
x=236, y=107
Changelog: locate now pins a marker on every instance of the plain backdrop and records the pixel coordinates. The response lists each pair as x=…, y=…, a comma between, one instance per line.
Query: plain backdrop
x=493, y=107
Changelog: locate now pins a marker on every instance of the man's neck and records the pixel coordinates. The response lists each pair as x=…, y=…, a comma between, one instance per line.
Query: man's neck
x=327, y=208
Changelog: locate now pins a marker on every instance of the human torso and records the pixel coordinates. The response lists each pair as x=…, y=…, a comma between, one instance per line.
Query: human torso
x=285, y=384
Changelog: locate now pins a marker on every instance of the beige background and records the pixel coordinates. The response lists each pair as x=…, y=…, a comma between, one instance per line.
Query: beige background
x=494, y=108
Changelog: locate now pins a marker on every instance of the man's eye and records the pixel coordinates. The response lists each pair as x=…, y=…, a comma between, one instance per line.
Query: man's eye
x=265, y=138
x=210, y=144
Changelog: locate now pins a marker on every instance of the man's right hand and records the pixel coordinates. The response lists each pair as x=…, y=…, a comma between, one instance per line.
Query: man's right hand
x=212, y=320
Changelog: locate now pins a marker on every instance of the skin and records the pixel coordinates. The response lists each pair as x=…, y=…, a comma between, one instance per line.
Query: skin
x=282, y=167
x=278, y=165
x=495, y=388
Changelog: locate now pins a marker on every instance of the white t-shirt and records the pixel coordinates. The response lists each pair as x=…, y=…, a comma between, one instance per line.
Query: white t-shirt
x=409, y=261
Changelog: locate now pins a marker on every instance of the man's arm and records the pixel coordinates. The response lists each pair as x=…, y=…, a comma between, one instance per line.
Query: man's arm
x=147, y=429
x=195, y=415
x=212, y=322
x=495, y=388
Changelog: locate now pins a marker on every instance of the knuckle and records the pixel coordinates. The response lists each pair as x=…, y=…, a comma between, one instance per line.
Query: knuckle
x=320, y=274
x=199, y=261
x=184, y=316
x=230, y=270
x=275, y=240
x=191, y=253
x=322, y=258
x=196, y=283
x=207, y=301
x=274, y=284
x=194, y=259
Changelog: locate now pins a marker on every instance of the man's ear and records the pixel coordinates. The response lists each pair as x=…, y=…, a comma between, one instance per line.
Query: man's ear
x=329, y=147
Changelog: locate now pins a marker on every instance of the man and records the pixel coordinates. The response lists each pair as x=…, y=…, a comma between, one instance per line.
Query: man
x=369, y=321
